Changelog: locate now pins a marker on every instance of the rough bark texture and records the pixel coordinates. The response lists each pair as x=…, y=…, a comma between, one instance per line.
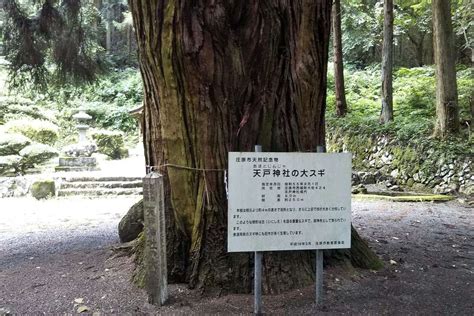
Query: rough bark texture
x=341, y=104
x=109, y=27
x=447, y=112
x=386, y=114
x=222, y=76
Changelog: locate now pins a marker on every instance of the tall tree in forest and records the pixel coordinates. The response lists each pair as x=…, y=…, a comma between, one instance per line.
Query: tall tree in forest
x=386, y=114
x=220, y=77
x=341, y=105
x=447, y=112
x=223, y=76
x=109, y=26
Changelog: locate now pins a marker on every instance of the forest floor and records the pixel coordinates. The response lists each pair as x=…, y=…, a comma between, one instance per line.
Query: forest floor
x=56, y=257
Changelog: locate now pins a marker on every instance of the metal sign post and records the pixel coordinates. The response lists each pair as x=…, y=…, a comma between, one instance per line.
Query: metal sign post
x=257, y=286
x=319, y=260
x=319, y=277
x=288, y=202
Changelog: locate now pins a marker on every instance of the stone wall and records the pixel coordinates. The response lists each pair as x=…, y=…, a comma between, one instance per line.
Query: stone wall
x=417, y=168
x=14, y=186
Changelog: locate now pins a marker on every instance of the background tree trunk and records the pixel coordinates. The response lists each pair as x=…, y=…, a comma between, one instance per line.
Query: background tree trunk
x=109, y=26
x=447, y=116
x=223, y=76
x=386, y=114
x=341, y=105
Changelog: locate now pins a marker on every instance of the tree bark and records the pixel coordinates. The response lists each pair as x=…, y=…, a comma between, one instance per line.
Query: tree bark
x=108, y=26
x=447, y=112
x=222, y=76
x=419, y=47
x=386, y=114
x=341, y=105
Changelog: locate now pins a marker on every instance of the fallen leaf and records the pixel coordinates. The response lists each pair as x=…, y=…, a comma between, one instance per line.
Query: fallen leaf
x=82, y=309
x=79, y=300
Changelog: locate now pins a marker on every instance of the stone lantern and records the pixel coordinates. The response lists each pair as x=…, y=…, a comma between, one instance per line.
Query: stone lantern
x=82, y=117
x=77, y=157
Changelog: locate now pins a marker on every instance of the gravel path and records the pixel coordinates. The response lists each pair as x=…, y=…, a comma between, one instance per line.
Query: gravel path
x=32, y=228
x=55, y=251
x=55, y=258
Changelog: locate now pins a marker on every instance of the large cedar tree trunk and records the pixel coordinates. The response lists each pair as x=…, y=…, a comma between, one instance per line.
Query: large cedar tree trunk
x=447, y=113
x=341, y=104
x=222, y=76
x=386, y=114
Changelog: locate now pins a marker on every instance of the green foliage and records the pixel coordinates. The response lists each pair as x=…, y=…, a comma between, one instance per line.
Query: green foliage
x=464, y=23
x=362, y=22
x=108, y=101
x=28, y=157
x=121, y=87
x=9, y=165
x=42, y=33
x=110, y=143
x=37, y=130
x=361, y=31
x=36, y=154
x=465, y=81
x=414, y=106
x=14, y=107
x=12, y=144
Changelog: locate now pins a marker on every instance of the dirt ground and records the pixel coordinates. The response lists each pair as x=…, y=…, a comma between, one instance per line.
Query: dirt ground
x=55, y=257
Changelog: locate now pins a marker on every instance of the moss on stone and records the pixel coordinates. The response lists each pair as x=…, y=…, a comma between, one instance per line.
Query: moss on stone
x=139, y=274
x=43, y=189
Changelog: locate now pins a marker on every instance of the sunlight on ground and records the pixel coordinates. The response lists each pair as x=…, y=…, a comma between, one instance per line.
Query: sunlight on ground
x=28, y=215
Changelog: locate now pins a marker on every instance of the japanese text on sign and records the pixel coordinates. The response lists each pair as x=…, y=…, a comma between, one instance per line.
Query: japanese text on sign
x=289, y=201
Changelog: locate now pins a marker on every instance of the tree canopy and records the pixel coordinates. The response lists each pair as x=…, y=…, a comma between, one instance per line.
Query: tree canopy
x=50, y=42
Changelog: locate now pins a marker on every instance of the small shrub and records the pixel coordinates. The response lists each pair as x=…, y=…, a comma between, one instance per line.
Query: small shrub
x=36, y=154
x=110, y=143
x=12, y=144
x=17, y=107
x=40, y=131
x=9, y=165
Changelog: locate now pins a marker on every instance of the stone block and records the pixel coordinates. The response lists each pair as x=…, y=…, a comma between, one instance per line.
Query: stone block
x=77, y=164
x=43, y=189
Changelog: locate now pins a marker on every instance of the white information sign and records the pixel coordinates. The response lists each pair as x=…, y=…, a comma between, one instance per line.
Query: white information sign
x=289, y=201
